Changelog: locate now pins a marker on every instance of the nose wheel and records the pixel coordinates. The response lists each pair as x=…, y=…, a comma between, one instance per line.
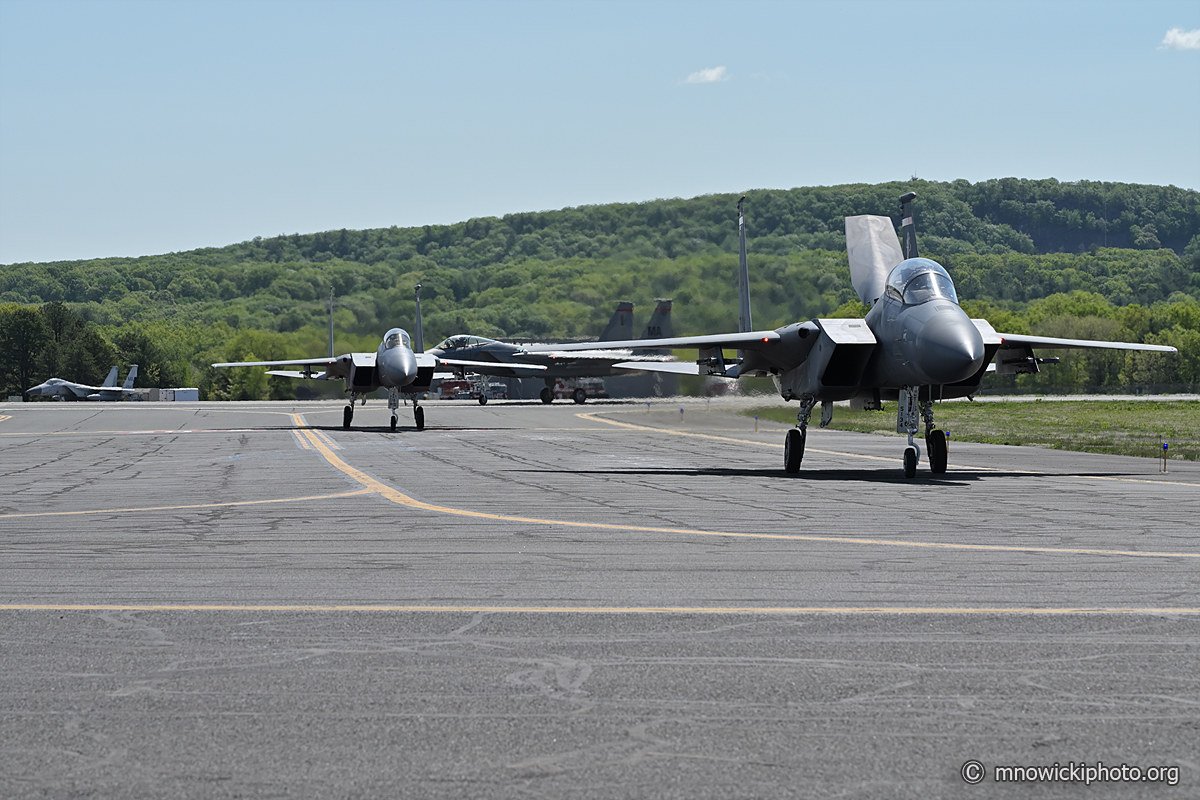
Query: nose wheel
x=547, y=396
x=393, y=422
x=419, y=415
x=910, y=462
x=347, y=417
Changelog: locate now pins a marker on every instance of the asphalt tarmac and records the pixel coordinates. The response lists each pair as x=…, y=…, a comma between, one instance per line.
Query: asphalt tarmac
x=607, y=601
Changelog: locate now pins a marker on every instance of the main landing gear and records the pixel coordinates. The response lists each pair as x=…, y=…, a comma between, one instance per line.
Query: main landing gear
x=547, y=396
x=793, y=444
x=348, y=411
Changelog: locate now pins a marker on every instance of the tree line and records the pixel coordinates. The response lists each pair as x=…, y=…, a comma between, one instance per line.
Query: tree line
x=1011, y=245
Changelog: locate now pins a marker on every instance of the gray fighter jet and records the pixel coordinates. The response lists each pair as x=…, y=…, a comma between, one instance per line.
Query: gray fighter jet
x=57, y=387
x=505, y=360
x=395, y=365
x=916, y=344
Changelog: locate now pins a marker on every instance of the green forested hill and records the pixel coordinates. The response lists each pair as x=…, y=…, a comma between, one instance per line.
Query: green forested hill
x=1009, y=244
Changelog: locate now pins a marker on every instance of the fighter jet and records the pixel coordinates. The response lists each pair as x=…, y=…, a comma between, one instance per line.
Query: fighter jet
x=57, y=387
x=506, y=360
x=395, y=365
x=916, y=344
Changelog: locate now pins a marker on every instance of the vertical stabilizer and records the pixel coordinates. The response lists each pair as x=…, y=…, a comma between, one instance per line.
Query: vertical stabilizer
x=419, y=333
x=620, y=327
x=906, y=225
x=659, y=326
x=873, y=250
x=330, y=323
x=129, y=378
x=111, y=380
x=744, y=321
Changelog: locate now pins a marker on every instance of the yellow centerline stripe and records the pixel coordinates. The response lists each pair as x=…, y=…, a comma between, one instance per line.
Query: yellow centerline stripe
x=465, y=609
x=402, y=499
x=591, y=418
x=181, y=508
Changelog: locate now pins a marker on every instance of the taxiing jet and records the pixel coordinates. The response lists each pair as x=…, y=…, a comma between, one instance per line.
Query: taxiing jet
x=395, y=365
x=57, y=387
x=504, y=360
x=916, y=345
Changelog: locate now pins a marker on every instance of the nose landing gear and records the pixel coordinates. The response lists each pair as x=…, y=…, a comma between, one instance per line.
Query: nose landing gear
x=347, y=416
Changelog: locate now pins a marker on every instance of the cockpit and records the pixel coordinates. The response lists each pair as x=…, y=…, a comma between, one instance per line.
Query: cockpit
x=462, y=340
x=919, y=280
x=396, y=337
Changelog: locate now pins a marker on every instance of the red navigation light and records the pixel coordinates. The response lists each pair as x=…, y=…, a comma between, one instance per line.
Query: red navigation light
x=765, y=339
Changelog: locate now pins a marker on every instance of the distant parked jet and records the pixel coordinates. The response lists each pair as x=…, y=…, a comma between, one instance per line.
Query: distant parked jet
x=57, y=387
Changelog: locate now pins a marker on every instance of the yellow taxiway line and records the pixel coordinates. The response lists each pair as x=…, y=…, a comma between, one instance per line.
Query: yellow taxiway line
x=396, y=496
x=465, y=609
x=183, y=508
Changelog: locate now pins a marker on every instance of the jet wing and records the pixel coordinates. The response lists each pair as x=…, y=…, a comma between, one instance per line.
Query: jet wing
x=286, y=373
x=1089, y=344
x=324, y=368
x=674, y=367
x=436, y=362
x=731, y=341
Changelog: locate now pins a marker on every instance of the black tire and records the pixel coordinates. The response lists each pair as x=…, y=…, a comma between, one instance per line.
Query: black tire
x=419, y=413
x=482, y=400
x=547, y=396
x=910, y=462
x=579, y=396
x=793, y=450
x=393, y=422
x=347, y=417
x=935, y=444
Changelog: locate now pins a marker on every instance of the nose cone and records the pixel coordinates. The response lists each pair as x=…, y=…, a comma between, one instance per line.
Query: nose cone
x=397, y=367
x=949, y=348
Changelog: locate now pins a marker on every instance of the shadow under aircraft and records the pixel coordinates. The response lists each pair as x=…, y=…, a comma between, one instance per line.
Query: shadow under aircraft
x=915, y=345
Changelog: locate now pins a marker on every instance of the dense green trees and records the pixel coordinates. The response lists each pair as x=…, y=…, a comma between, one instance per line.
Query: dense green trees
x=1023, y=254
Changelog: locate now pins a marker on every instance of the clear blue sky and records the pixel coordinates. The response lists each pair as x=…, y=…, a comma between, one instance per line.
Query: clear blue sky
x=131, y=128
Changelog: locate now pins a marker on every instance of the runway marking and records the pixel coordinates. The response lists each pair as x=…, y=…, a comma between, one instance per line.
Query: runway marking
x=588, y=416
x=325, y=438
x=137, y=433
x=398, y=497
x=602, y=609
x=181, y=508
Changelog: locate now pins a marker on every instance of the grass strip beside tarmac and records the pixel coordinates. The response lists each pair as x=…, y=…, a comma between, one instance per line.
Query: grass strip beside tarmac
x=1113, y=427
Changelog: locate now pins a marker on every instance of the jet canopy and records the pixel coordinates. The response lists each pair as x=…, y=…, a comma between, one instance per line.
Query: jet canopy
x=462, y=340
x=919, y=280
x=396, y=337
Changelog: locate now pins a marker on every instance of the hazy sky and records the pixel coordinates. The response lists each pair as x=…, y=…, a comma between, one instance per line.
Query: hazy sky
x=131, y=128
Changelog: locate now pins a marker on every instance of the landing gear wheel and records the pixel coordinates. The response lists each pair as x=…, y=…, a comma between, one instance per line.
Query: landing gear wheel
x=935, y=443
x=347, y=417
x=419, y=413
x=910, y=462
x=579, y=396
x=393, y=422
x=793, y=450
x=483, y=400
x=547, y=396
